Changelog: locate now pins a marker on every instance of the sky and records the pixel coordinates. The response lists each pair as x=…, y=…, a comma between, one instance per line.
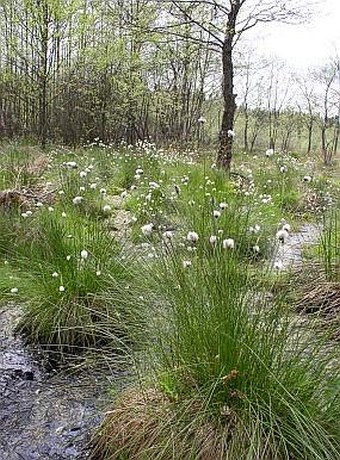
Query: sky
x=305, y=45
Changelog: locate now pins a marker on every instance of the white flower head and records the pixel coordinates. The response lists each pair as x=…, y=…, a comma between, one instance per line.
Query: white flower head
x=223, y=205
x=168, y=235
x=98, y=272
x=83, y=174
x=51, y=208
x=102, y=191
x=84, y=254
x=231, y=133
x=29, y=213
x=269, y=152
x=307, y=179
x=154, y=185
x=147, y=229
x=217, y=214
x=63, y=214
x=213, y=240
x=229, y=243
x=14, y=290
x=256, y=249
x=124, y=194
x=201, y=120
x=187, y=263
x=93, y=186
x=107, y=209
x=77, y=200
x=278, y=265
x=286, y=227
x=139, y=171
x=71, y=165
x=61, y=288
x=282, y=236
x=39, y=204
x=24, y=215
x=55, y=275
x=193, y=237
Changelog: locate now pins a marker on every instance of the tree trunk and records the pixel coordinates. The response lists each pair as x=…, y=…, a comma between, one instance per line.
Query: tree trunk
x=43, y=75
x=225, y=151
x=246, y=128
x=310, y=137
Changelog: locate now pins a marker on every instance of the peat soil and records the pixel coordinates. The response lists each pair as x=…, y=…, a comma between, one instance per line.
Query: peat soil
x=44, y=415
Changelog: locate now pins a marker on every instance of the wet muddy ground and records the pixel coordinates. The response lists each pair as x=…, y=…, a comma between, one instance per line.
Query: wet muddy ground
x=291, y=253
x=44, y=415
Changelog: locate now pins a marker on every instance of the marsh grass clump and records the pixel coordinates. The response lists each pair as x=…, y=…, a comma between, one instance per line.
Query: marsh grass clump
x=319, y=293
x=21, y=167
x=230, y=374
x=329, y=248
x=75, y=281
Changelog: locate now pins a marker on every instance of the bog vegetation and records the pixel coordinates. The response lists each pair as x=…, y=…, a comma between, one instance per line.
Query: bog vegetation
x=122, y=240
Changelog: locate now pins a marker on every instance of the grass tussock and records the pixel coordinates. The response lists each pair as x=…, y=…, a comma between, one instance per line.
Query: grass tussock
x=235, y=377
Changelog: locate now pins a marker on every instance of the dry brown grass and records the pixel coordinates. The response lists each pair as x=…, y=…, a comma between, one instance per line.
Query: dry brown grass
x=10, y=199
x=323, y=301
x=25, y=199
x=145, y=425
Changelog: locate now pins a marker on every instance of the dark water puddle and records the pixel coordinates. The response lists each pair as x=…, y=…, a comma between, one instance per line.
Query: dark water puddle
x=44, y=415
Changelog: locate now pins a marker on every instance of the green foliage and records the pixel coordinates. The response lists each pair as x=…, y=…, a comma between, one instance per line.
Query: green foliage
x=217, y=342
x=75, y=280
x=21, y=167
x=228, y=362
x=329, y=247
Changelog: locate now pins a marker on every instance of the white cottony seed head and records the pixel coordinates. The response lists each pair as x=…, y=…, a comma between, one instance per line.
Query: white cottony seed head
x=84, y=254
x=278, y=265
x=77, y=199
x=147, y=229
x=213, y=239
x=282, y=236
x=168, y=235
x=286, y=227
x=229, y=243
x=107, y=209
x=193, y=237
